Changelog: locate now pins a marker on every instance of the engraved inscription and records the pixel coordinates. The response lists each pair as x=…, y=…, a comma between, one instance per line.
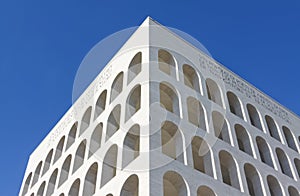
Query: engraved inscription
x=81, y=104
x=243, y=88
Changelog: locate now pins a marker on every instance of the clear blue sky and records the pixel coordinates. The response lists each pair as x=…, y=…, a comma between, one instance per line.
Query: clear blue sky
x=43, y=42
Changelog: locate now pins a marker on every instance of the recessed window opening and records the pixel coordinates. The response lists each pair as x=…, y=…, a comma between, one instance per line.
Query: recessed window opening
x=214, y=92
x=254, y=116
x=220, y=127
x=196, y=114
x=133, y=103
x=86, y=119
x=171, y=141
x=234, y=104
x=169, y=99
x=174, y=184
x=113, y=122
x=191, y=78
x=134, y=67
x=166, y=63
x=116, y=87
x=100, y=104
x=131, y=145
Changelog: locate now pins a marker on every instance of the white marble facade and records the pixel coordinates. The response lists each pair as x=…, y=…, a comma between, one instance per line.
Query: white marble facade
x=165, y=119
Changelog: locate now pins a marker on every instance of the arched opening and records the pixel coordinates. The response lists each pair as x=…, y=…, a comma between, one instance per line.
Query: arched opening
x=133, y=103
x=168, y=98
x=41, y=189
x=51, y=183
x=131, y=186
x=72, y=135
x=274, y=186
x=95, y=141
x=253, y=180
x=26, y=184
x=89, y=186
x=289, y=138
x=264, y=151
x=85, y=121
x=174, y=184
x=166, y=63
x=214, y=92
x=116, y=87
x=59, y=149
x=201, y=156
x=293, y=191
x=229, y=169
x=272, y=127
x=235, y=104
x=100, y=104
x=64, y=173
x=74, y=190
x=191, y=78
x=196, y=114
x=79, y=156
x=131, y=145
x=284, y=162
x=36, y=173
x=297, y=165
x=220, y=127
x=254, y=116
x=47, y=162
x=243, y=139
x=134, y=67
x=205, y=191
x=113, y=122
x=171, y=141
x=109, y=167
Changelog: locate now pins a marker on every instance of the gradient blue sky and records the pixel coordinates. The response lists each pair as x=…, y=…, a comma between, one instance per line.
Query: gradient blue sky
x=42, y=43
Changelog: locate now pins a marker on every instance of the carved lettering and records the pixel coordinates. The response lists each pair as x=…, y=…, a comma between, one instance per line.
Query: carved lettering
x=244, y=88
x=80, y=104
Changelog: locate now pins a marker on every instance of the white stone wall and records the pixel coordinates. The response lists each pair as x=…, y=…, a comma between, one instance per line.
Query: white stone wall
x=187, y=130
x=75, y=118
x=286, y=174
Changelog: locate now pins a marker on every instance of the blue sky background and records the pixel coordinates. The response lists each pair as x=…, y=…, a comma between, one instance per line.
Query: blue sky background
x=42, y=44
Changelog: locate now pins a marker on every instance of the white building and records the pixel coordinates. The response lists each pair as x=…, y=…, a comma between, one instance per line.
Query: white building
x=163, y=118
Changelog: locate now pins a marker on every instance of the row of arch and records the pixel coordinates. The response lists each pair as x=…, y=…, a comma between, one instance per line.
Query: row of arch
x=131, y=150
x=256, y=120
x=133, y=104
x=134, y=69
x=175, y=184
x=130, y=186
x=167, y=64
x=245, y=144
x=173, y=146
x=196, y=116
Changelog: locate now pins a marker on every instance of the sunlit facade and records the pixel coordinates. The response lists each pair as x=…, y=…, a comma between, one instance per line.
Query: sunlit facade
x=165, y=119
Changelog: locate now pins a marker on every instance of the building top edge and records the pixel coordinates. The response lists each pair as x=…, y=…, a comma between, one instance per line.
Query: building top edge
x=71, y=113
x=223, y=66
